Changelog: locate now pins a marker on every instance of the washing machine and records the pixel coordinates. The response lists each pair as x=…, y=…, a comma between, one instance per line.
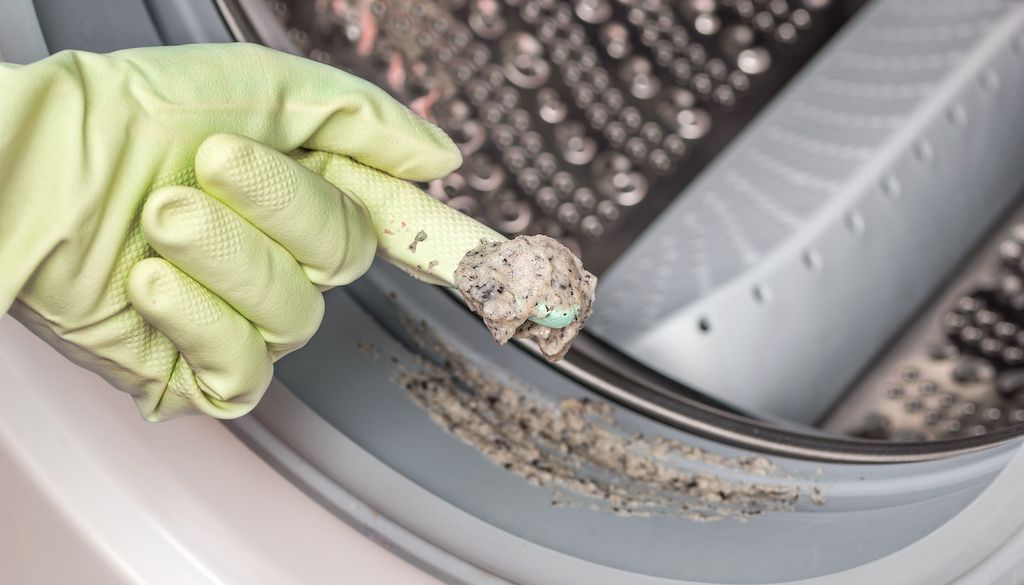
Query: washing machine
x=805, y=365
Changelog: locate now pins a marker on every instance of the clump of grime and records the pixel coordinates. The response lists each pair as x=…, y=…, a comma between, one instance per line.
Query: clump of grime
x=575, y=449
x=505, y=283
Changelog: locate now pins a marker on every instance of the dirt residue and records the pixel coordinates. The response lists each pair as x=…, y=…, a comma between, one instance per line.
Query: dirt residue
x=419, y=237
x=575, y=448
x=506, y=282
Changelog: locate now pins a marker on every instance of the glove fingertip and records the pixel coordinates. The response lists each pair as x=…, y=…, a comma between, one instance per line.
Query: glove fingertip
x=442, y=156
x=143, y=282
x=160, y=213
x=216, y=155
x=168, y=298
x=447, y=162
x=426, y=168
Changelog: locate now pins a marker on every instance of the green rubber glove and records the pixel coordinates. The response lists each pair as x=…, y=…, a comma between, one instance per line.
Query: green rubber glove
x=151, y=228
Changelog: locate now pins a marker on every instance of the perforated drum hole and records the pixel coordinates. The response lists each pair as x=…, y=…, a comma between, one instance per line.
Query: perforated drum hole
x=761, y=293
x=957, y=115
x=704, y=325
x=924, y=152
x=890, y=186
x=812, y=260
x=989, y=80
x=855, y=223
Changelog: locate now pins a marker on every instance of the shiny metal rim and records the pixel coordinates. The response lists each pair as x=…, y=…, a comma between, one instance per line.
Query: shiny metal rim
x=631, y=384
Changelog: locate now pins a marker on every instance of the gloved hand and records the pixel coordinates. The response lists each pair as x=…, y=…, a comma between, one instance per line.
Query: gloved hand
x=151, y=228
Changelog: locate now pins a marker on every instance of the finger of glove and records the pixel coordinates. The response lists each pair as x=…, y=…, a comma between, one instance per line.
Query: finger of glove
x=378, y=131
x=226, y=353
x=237, y=262
x=329, y=233
x=286, y=102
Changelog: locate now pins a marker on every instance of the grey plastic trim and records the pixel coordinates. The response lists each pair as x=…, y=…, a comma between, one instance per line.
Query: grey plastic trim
x=270, y=432
x=181, y=22
x=21, y=40
x=108, y=25
x=459, y=548
x=344, y=477
x=100, y=26
x=820, y=230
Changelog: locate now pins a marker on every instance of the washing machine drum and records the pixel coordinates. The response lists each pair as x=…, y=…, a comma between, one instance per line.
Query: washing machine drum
x=806, y=353
x=765, y=283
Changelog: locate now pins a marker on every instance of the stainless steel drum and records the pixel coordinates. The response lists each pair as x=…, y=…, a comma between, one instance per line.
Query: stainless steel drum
x=587, y=119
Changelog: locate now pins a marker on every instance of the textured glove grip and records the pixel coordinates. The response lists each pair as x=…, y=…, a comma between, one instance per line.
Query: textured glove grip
x=415, y=232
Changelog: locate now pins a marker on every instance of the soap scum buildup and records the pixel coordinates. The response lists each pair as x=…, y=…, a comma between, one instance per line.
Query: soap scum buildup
x=575, y=449
x=504, y=282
